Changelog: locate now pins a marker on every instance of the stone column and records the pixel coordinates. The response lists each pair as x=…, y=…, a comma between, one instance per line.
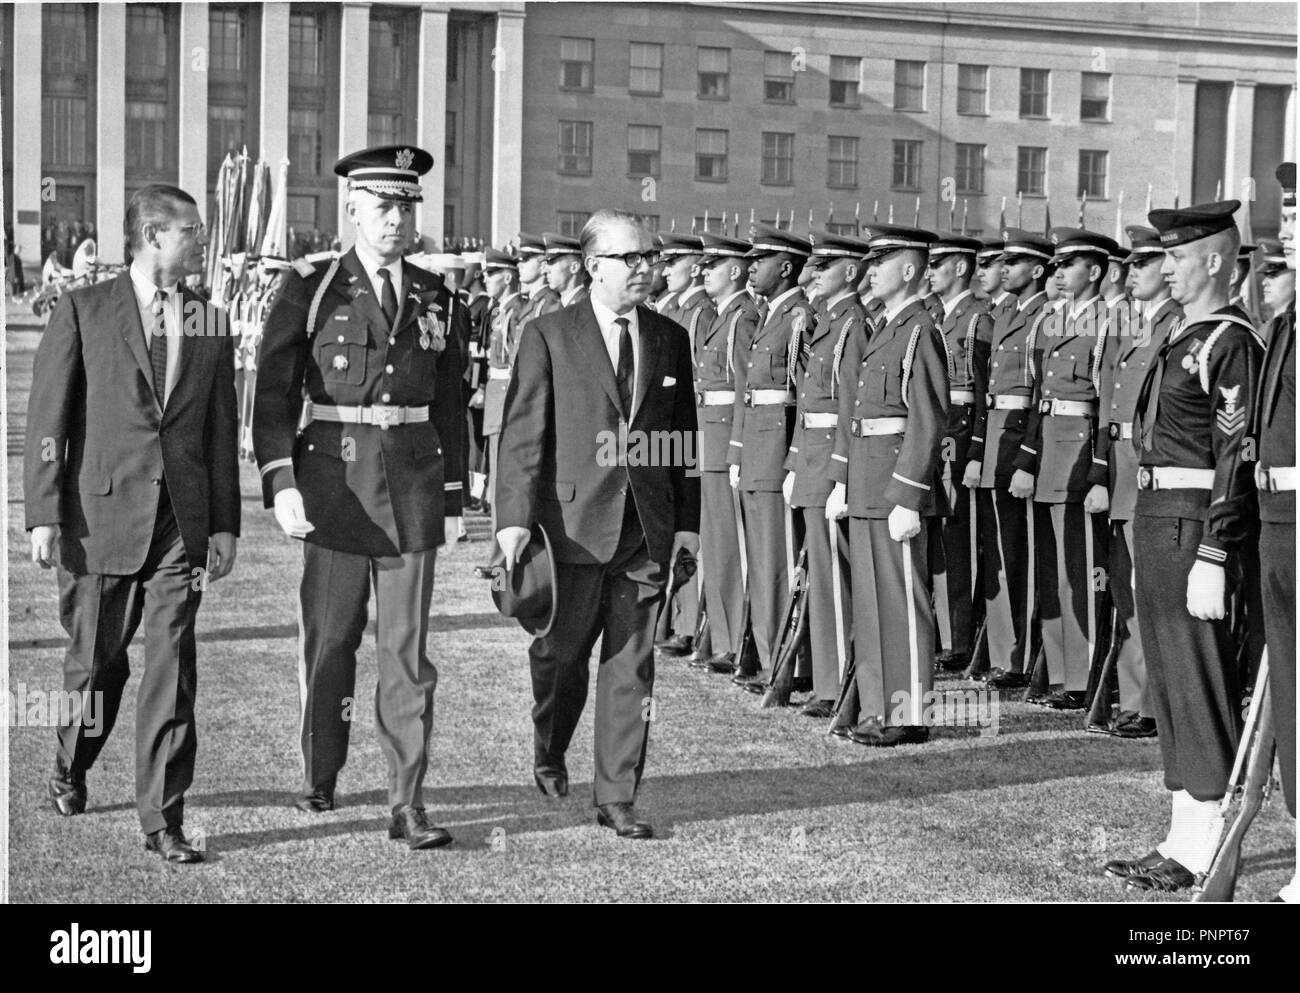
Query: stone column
x=431, y=117
x=110, y=147
x=192, y=165
x=354, y=96
x=27, y=187
x=507, y=125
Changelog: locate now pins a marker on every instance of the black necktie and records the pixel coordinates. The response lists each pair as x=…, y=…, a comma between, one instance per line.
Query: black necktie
x=389, y=298
x=158, y=347
x=625, y=373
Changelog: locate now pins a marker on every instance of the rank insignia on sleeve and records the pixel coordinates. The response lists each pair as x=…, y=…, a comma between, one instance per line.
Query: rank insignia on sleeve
x=1231, y=417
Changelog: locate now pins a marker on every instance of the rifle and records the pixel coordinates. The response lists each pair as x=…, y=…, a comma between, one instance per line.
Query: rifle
x=979, y=655
x=1101, y=685
x=794, y=628
x=1255, y=761
x=1039, y=682
x=846, y=701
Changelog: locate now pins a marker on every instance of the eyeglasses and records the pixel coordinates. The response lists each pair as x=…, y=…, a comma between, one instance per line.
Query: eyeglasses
x=634, y=259
x=197, y=230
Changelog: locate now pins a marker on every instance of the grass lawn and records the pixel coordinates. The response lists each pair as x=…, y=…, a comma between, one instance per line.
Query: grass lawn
x=749, y=804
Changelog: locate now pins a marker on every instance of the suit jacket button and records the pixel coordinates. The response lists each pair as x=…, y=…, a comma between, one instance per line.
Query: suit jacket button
x=155, y=480
x=388, y=369
x=392, y=341
x=386, y=397
x=342, y=339
x=311, y=448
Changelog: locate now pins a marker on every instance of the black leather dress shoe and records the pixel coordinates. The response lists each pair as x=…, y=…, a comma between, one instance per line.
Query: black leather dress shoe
x=868, y=732
x=170, y=843
x=1134, y=725
x=678, y=644
x=318, y=801
x=1166, y=876
x=723, y=662
x=1124, y=868
x=67, y=794
x=621, y=817
x=755, y=683
x=411, y=824
x=801, y=684
x=950, y=661
x=1093, y=727
x=551, y=783
x=1066, y=700
x=698, y=661
x=824, y=709
x=1003, y=679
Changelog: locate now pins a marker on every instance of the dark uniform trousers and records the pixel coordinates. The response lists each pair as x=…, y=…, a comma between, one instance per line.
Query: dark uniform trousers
x=724, y=593
x=829, y=649
x=1072, y=583
x=101, y=614
x=617, y=602
x=1130, y=662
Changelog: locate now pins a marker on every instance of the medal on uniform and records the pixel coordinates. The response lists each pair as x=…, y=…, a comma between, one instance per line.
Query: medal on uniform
x=340, y=362
x=1190, y=359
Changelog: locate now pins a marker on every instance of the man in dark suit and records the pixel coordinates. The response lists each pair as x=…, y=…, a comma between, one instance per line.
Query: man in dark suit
x=372, y=342
x=586, y=378
x=131, y=483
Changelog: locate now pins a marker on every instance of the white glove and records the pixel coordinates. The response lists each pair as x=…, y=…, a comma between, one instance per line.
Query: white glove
x=289, y=514
x=904, y=524
x=1097, y=501
x=1205, y=587
x=1022, y=485
x=733, y=476
x=512, y=541
x=837, y=504
x=787, y=487
x=971, y=477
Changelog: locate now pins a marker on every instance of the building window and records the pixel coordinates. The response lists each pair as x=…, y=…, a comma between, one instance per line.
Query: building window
x=146, y=42
x=714, y=73
x=63, y=135
x=304, y=142
x=577, y=63
x=386, y=69
x=649, y=221
x=842, y=162
x=449, y=149
x=306, y=46
x=845, y=73
x=778, y=158
x=711, y=155
x=225, y=134
x=972, y=89
x=146, y=122
x=570, y=222
x=1033, y=92
x=1031, y=168
x=456, y=35
x=909, y=85
x=642, y=150
x=970, y=168
x=907, y=165
x=778, y=77
x=645, y=68
x=1094, y=103
x=1092, y=174
x=712, y=223
x=300, y=211
x=847, y=229
x=575, y=148
x=64, y=39
x=383, y=129
x=226, y=39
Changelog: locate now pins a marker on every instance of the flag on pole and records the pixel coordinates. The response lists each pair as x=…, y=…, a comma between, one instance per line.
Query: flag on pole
x=857, y=218
x=1119, y=219
x=830, y=212
x=1047, y=219
x=1148, y=210
x=1020, y=209
x=965, y=206
x=1083, y=205
x=875, y=212
x=1002, y=216
x=891, y=212
x=952, y=215
x=706, y=219
x=916, y=217
x=810, y=219
x=1218, y=191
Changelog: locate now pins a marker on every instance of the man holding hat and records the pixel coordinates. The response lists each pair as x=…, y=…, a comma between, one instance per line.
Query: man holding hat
x=1196, y=497
x=363, y=353
x=887, y=479
x=1006, y=521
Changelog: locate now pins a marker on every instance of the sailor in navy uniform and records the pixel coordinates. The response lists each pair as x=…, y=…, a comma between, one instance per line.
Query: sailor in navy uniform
x=363, y=353
x=1196, y=498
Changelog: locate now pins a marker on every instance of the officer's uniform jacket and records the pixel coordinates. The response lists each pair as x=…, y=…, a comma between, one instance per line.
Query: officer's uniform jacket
x=505, y=321
x=1274, y=416
x=368, y=489
x=1068, y=352
x=900, y=371
x=1003, y=305
x=997, y=438
x=1121, y=379
x=819, y=384
x=718, y=347
x=543, y=300
x=760, y=433
x=480, y=308
x=695, y=311
x=667, y=303
x=1207, y=374
x=967, y=331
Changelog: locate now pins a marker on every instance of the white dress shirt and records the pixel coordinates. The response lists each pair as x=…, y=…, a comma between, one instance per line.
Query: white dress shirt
x=611, y=332
x=950, y=305
x=173, y=321
x=774, y=305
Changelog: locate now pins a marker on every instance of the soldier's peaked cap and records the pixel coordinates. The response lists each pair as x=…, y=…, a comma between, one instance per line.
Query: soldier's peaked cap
x=1144, y=243
x=768, y=240
x=1286, y=177
x=531, y=244
x=827, y=248
x=1274, y=260
x=558, y=244
x=1073, y=241
x=990, y=249
x=717, y=246
x=951, y=243
x=1019, y=242
x=672, y=243
x=887, y=238
x=1180, y=227
x=494, y=258
x=389, y=171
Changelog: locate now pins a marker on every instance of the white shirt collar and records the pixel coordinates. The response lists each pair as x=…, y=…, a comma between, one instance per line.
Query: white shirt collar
x=843, y=294
x=1022, y=304
x=891, y=314
x=774, y=304
x=567, y=296
x=722, y=304
x=605, y=317
x=950, y=305
x=145, y=288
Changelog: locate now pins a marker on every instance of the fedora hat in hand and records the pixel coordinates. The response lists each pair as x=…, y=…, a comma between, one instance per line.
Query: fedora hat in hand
x=527, y=592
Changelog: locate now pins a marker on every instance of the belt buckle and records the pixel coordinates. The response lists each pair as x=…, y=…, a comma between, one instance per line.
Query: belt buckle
x=1146, y=479
x=699, y=398
x=855, y=427
x=385, y=416
x=1044, y=406
x=990, y=399
x=1264, y=480
x=1114, y=431
x=749, y=398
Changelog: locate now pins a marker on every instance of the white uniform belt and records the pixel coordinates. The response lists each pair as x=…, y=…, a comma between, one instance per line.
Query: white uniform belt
x=766, y=398
x=814, y=420
x=717, y=398
x=1068, y=408
x=1276, y=479
x=381, y=415
x=862, y=427
x=1174, y=478
x=1008, y=402
x=495, y=373
x=961, y=396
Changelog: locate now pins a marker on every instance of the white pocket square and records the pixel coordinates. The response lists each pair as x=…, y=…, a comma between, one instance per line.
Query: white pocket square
x=670, y=381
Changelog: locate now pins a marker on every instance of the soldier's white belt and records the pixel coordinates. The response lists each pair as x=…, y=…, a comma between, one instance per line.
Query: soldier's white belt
x=766, y=398
x=961, y=396
x=1121, y=431
x=1068, y=408
x=384, y=417
x=1174, y=478
x=1276, y=480
x=1007, y=402
x=815, y=420
x=862, y=427
x=716, y=398
x=495, y=373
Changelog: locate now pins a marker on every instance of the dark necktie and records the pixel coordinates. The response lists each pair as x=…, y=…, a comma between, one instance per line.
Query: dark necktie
x=625, y=374
x=158, y=347
x=388, y=300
